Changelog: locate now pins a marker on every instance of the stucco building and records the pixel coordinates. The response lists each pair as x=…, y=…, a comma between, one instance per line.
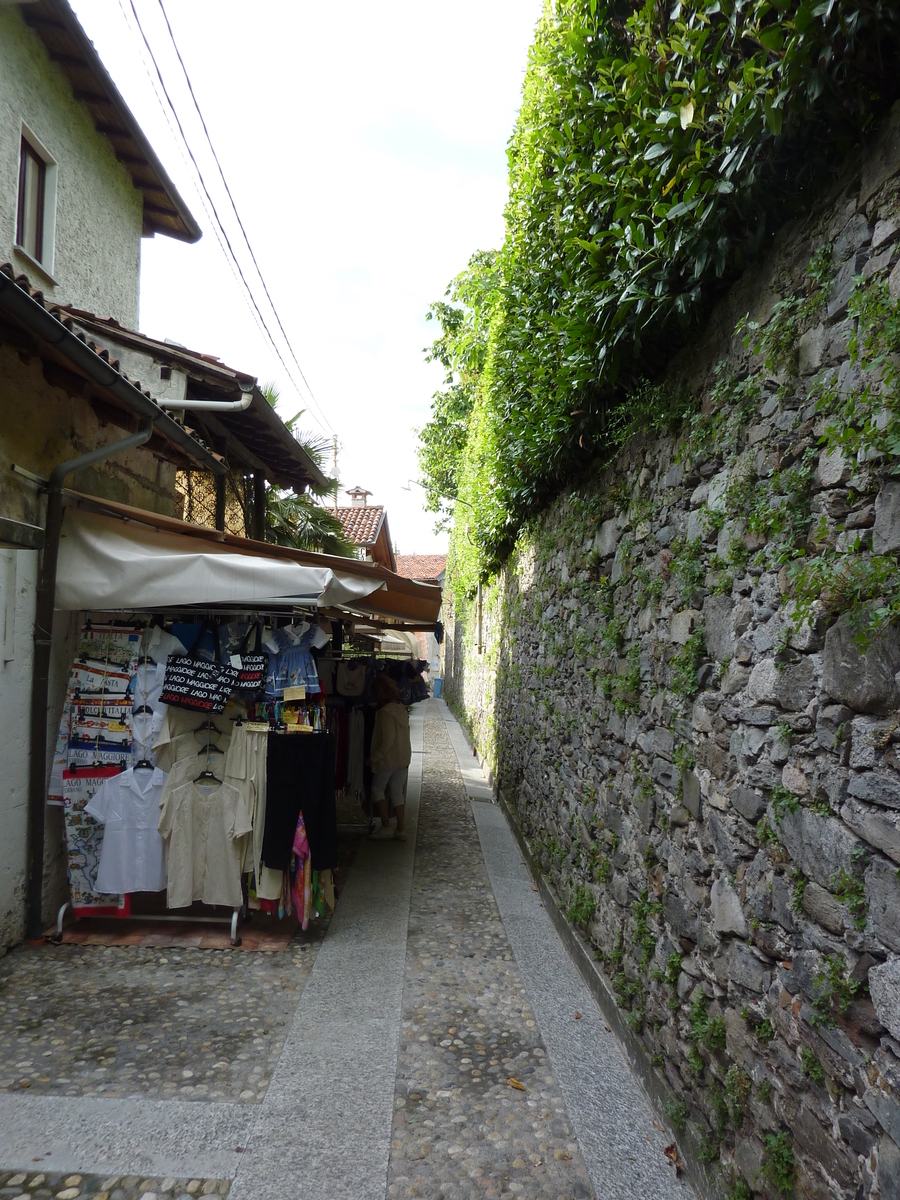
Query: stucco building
x=426, y=568
x=80, y=187
x=79, y=183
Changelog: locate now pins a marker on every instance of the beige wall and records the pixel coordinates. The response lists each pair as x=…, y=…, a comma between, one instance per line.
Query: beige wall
x=99, y=212
x=42, y=425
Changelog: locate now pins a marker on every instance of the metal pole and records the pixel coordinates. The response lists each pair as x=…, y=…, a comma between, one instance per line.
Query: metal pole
x=259, y=506
x=220, y=503
x=40, y=683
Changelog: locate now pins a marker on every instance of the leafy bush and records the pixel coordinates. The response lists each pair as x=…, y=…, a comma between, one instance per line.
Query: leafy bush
x=837, y=990
x=685, y=664
x=677, y=1114
x=778, y=1162
x=582, y=907
x=656, y=149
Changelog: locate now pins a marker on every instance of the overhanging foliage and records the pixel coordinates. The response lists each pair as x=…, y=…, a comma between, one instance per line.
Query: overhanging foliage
x=656, y=150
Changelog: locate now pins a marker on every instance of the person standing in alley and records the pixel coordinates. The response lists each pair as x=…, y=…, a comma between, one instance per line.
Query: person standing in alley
x=390, y=756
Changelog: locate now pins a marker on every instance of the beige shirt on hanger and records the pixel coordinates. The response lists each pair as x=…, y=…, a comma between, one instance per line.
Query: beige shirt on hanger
x=204, y=828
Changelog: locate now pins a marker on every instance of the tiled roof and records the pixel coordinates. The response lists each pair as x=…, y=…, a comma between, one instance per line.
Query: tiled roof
x=189, y=360
x=186, y=439
x=259, y=428
x=361, y=523
x=423, y=567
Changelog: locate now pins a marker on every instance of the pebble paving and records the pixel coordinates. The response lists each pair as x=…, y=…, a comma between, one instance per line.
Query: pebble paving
x=462, y=1128
x=134, y=1021
x=29, y=1185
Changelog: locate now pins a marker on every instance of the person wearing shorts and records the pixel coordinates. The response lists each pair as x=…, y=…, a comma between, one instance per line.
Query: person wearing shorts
x=390, y=757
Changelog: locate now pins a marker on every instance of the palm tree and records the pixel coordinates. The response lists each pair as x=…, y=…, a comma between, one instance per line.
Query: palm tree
x=294, y=518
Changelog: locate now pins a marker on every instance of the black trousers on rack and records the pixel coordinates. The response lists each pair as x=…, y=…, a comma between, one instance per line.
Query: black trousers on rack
x=300, y=778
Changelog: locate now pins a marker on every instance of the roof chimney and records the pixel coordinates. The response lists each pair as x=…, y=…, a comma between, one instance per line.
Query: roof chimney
x=358, y=496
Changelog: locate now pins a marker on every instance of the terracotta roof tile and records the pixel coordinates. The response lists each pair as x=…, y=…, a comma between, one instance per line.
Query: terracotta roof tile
x=259, y=428
x=361, y=523
x=60, y=314
x=422, y=567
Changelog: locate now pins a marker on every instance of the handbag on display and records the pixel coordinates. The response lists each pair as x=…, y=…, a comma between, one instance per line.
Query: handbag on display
x=196, y=684
x=351, y=679
x=254, y=668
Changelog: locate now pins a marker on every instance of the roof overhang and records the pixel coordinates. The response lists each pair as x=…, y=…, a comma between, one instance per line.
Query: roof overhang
x=255, y=438
x=378, y=595
x=69, y=47
x=93, y=374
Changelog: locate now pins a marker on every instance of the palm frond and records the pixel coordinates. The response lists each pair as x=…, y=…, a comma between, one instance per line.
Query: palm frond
x=295, y=520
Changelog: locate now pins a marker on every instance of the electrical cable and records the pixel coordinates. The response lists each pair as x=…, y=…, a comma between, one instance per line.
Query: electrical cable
x=237, y=214
x=199, y=194
x=212, y=205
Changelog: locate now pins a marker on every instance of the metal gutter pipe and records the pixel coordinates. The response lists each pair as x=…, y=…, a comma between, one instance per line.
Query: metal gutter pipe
x=42, y=323
x=40, y=682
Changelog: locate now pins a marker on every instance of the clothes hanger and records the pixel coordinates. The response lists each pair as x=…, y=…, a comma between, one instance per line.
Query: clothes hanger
x=144, y=764
x=207, y=773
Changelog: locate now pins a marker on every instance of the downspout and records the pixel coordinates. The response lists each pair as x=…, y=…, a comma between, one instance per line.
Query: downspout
x=40, y=686
x=211, y=405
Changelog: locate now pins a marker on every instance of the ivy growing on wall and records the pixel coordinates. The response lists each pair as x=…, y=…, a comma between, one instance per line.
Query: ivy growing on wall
x=655, y=151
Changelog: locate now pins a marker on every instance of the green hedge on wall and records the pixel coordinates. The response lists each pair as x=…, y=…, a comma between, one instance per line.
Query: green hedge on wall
x=657, y=149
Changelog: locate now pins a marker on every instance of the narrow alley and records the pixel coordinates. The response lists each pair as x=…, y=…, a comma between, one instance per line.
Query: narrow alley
x=425, y=1043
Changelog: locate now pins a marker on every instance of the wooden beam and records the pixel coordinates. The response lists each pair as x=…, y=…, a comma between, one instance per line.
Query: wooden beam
x=38, y=19
x=236, y=450
x=68, y=60
x=19, y=535
x=111, y=130
x=91, y=97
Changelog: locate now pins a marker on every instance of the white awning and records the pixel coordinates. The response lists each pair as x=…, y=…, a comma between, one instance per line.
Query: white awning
x=107, y=563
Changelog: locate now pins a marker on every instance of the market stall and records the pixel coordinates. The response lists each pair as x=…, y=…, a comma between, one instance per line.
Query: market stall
x=211, y=717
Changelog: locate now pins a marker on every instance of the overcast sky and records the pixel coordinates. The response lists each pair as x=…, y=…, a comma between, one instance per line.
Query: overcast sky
x=365, y=146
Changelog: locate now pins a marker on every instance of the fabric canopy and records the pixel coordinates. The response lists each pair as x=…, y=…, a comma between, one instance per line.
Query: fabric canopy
x=106, y=563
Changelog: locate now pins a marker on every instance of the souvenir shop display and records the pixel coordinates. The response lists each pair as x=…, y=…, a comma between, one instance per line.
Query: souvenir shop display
x=196, y=684
x=347, y=687
x=203, y=761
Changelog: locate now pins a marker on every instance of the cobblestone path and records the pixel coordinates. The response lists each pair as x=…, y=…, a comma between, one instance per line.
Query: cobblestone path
x=41, y=1185
x=461, y=1129
x=184, y=1024
x=166, y=1073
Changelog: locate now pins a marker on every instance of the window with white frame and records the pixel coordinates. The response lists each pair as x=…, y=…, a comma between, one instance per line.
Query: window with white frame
x=36, y=211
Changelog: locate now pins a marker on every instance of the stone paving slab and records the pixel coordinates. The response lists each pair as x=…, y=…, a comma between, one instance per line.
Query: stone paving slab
x=616, y=1130
x=622, y=1145
x=124, y=1137
x=461, y=1128
x=474, y=778
x=324, y=1126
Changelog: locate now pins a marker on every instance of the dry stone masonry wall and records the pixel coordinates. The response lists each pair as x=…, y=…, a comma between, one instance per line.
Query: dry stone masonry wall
x=688, y=690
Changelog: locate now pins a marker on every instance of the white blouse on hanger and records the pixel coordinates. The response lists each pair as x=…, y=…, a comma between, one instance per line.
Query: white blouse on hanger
x=133, y=854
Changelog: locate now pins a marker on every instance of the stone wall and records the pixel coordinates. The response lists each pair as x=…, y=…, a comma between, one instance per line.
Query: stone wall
x=701, y=744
